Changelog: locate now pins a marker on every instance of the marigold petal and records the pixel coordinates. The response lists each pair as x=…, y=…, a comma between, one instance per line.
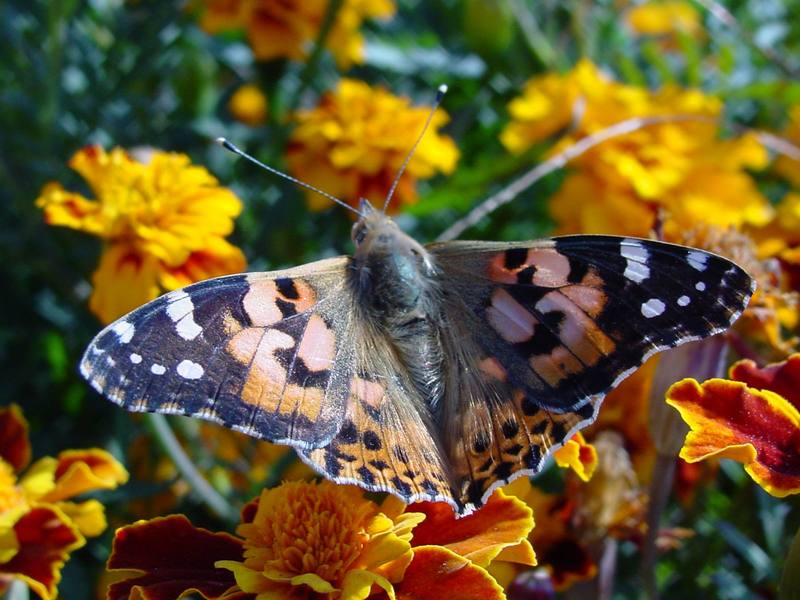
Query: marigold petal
x=89, y=516
x=503, y=522
x=40, y=479
x=46, y=537
x=15, y=448
x=729, y=419
x=314, y=581
x=9, y=544
x=783, y=378
x=81, y=471
x=173, y=558
x=67, y=209
x=437, y=573
x=124, y=280
x=218, y=258
x=358, y=584
x=577, y=454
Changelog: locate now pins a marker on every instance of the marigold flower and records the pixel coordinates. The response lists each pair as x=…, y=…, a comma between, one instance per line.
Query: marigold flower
x=752, y=418
x=322, y=537
x=664, y=18
x=163, y=223
x=353, y=144
x=248, y=104
x=39, y=524
x=579, y=455
x=679, y=168
x=288, y=29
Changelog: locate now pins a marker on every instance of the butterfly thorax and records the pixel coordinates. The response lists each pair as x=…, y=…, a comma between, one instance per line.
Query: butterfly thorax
x=395, y=280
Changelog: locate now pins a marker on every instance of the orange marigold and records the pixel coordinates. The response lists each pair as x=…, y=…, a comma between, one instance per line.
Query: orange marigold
x=664, y=18
x=680, y=168
x=353, y=144
x=248, y=104
x=287, y=29
x=39, y=523
x=163, y=221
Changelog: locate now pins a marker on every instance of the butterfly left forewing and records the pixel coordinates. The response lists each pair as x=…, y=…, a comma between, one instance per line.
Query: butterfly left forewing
x=555, y=325
x=262, y=353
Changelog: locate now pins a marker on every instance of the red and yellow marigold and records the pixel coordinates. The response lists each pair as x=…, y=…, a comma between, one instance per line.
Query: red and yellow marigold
x=163, y=221
x=289, y=28
x=40, y=523
x=353, y=144
x=754, y=418
x=306, y=540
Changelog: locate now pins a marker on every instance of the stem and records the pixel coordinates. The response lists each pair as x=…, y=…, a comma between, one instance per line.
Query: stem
x=660, y=486
x=534, y=38
x=162, y=432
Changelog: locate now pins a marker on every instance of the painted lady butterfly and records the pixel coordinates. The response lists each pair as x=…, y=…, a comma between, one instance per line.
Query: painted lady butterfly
x=433, y=372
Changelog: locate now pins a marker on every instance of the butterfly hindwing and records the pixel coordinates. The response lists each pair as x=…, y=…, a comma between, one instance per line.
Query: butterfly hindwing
x=559, y=323
x=261, y=353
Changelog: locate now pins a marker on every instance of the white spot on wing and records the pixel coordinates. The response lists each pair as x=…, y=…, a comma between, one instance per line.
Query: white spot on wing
x=157, y=369
x=700, y=286
x=636, y=256
x=180, y=310
x=189, y=370
x=124, y=331
x=135, y=358
x=697, y=260
x=653, y=308
x=684, y=300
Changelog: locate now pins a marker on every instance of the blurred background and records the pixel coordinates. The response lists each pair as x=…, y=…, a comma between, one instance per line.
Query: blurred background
x=165, y=76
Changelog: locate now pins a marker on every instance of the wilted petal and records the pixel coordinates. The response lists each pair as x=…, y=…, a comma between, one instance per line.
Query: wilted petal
x=14, y=446
x=173, y=558
x=783, y=378
x=45, y=537
x=504, y=522
x=577, y=454
x=730, y=420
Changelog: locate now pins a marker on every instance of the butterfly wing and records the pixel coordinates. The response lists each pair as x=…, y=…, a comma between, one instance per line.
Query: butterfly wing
x=560, y=323
x=267, y=354
x=388, y=441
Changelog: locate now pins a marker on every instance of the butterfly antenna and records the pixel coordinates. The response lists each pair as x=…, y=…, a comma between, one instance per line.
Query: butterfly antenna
x=439, y=96
x=230, y=146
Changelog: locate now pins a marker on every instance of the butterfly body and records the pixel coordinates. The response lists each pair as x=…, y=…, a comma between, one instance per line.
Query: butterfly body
x=433, y=372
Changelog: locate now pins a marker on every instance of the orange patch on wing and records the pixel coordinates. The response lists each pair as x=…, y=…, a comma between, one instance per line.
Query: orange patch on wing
x=261, y=300
x=556, y=366
x=492, y=368
x=552, y=268
x=578, y=333
x=579, y=455
x=306, y=401
x=503, y=523
x=266, y=376
x=318, y=346
x=590, y=299
x=783, y=378
x=728, y=419
x=371, y=393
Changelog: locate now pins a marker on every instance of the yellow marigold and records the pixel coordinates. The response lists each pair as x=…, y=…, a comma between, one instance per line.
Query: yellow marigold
x=680, y=168
x=40, y=523
x=248, y=104
x=664, y=18
x=353, y=144
x=163, y=221
x=322, y=538
x=785, y=165
x=288, y=29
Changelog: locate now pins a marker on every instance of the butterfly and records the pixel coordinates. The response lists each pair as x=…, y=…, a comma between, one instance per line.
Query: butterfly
x=433, y=372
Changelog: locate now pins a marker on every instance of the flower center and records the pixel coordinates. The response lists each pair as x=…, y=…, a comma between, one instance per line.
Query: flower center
x=311, y=528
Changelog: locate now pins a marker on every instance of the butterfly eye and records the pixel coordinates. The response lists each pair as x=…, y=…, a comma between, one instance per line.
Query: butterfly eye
x=359, y=233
